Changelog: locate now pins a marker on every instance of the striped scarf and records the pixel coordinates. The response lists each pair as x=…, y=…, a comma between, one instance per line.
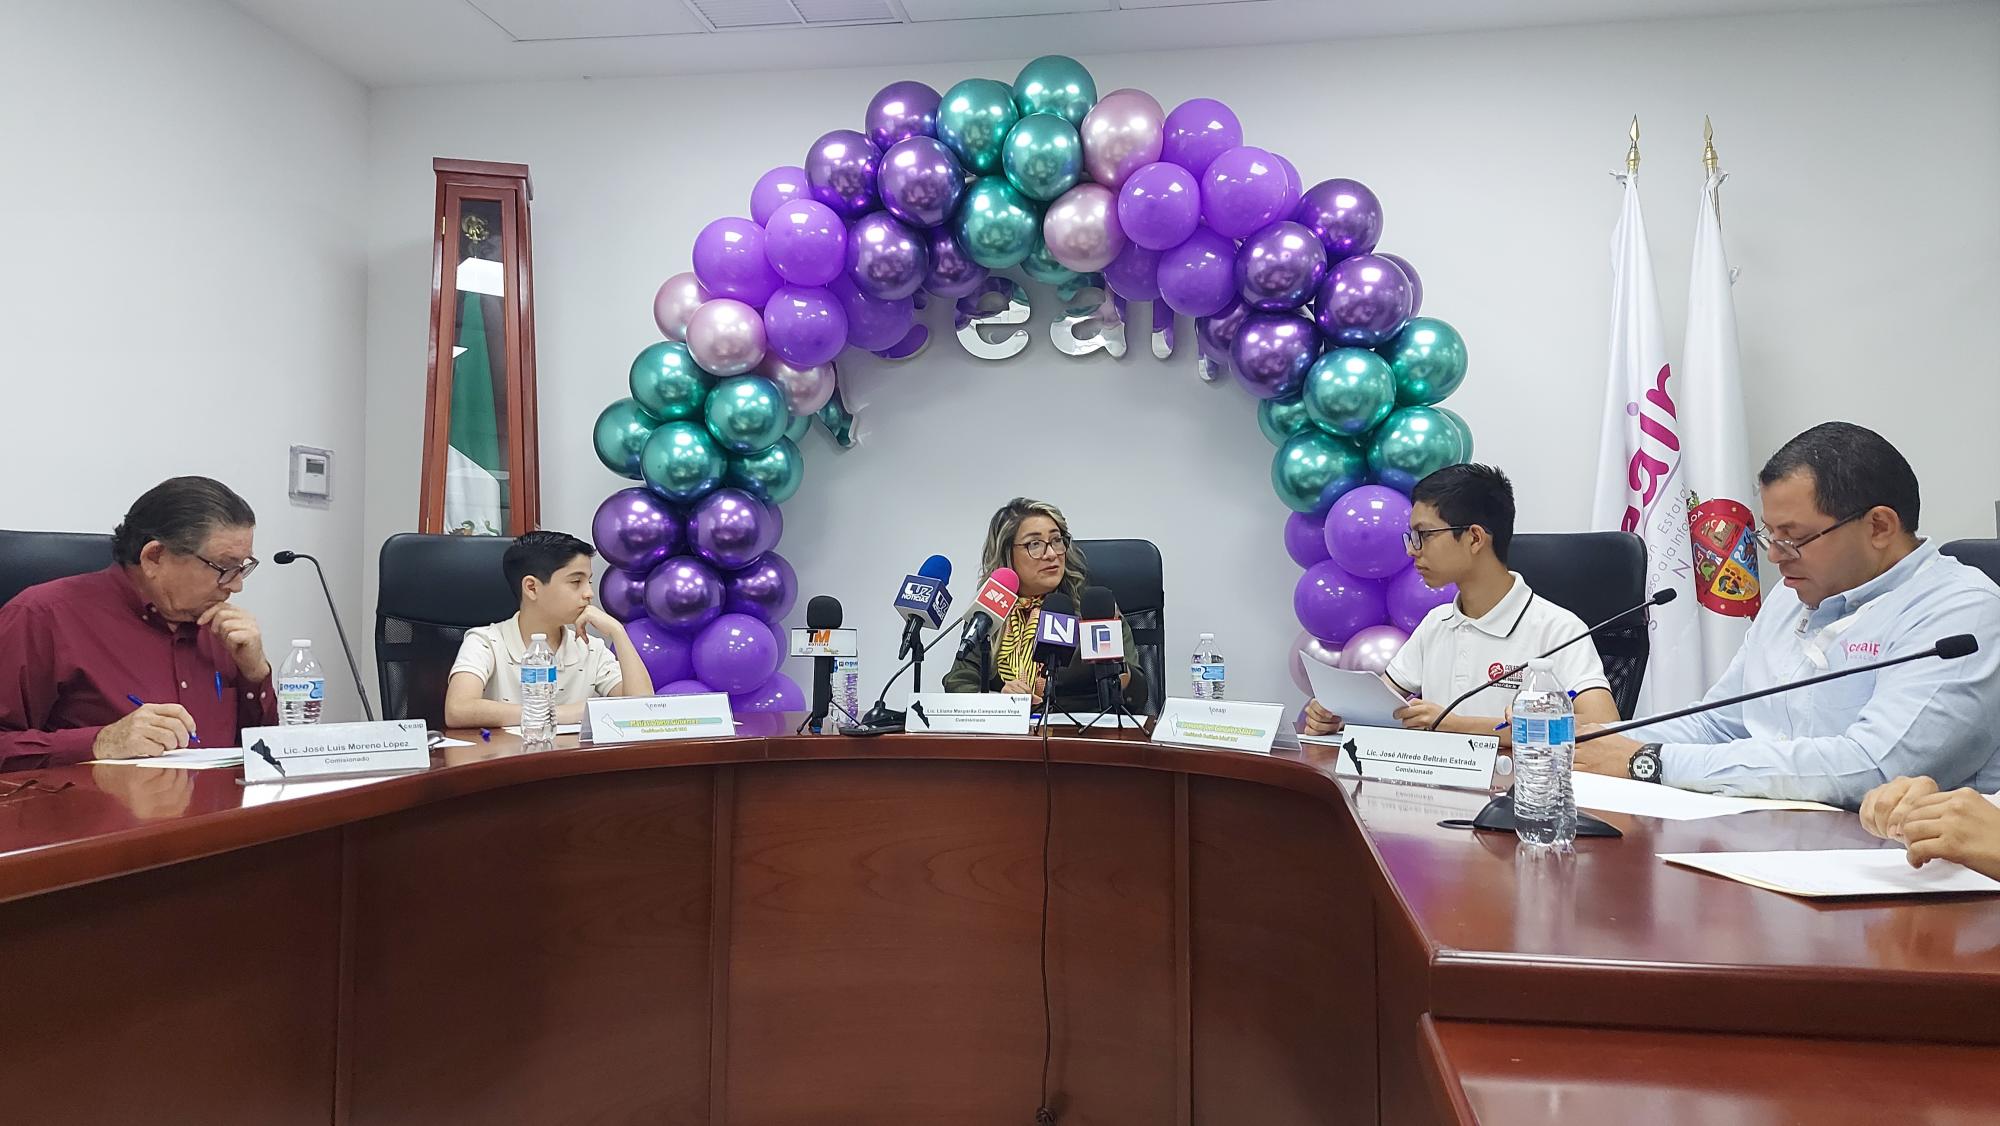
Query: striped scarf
x=1015, y=659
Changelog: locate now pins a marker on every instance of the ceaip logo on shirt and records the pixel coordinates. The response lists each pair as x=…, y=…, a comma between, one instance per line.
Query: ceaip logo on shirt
x=1855, y=649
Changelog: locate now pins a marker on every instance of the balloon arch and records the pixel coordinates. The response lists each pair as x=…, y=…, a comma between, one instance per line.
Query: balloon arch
x=938, y=193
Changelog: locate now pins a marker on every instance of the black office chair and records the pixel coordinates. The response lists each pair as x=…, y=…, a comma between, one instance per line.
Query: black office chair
x=31, y=558
x=429, y=591
x=1983, y=554
x=1594, y=575
x=1132, y=571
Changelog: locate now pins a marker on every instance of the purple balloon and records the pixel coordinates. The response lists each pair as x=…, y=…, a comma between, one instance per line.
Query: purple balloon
x=1410, y=272
x=767, y=589
x=1160, y=205
x=774, y=189
x=760, y=725
x=1363, y=302
x=1305, y=538
x=921, y=181
x=872, y=324
x=666, y=656
x=804, y=327
x=899, y=111
x=635, y=530
x=1198, y=277
x=736, y=653
x=729, y=261
x=1371, y=649
x=1344, y=214
x=1217, y=333
x=885, y=259
x=841, y=168
x=1135, y=273
x=1243, y=191
x=623, y=594
x=683, y=594
x=806, y=242
x=728, y=528
x=1292, y=183
x=685, y=687
x=1279, y=267
x=952, y=274
x=1272, y=352
x=1364, y=531
x=1334, y=605
x=1307, y=647
x=779, y=694
x=1198, y=131
x=1410, y=598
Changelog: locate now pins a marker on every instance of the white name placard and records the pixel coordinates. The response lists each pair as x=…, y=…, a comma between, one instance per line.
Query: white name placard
x=1225, y=725
x=643, y=719
x=1430, y=758
x=311, y=750
x=967, y=713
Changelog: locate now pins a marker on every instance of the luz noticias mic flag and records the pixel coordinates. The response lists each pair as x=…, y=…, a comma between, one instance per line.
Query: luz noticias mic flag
x=1640, y=486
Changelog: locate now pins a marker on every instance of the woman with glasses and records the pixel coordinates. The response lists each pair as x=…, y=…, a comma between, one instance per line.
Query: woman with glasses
x=1461, y=524
x=1032, y=537
x=147, y=655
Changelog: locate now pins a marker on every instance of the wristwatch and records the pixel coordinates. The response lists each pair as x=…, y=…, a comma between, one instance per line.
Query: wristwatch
x=1645, y=763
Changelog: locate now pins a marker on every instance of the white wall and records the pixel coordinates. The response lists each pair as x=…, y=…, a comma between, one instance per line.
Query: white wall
x=181, y=284
x=1864, y=147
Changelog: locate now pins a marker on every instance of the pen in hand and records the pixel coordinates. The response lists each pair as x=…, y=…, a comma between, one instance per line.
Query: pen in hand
x=194, y=740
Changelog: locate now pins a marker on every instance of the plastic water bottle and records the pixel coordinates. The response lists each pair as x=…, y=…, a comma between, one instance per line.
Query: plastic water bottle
x=1206, y=670
x=538, y=695
x=1544, y=752
x=301, y=685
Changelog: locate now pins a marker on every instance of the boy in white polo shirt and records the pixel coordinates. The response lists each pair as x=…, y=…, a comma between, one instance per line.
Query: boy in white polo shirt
x=1461, y=522
x=550, y=573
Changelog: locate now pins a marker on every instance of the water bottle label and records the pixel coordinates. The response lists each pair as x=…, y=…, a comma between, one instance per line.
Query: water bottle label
x=304, y=688
x=533, y=676
x=1544, y=730
x=1210, y=672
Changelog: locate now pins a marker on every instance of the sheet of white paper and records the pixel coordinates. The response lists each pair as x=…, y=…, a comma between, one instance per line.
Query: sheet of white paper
x=190, y=758
x=561, y=729
x=1095, y=722
x=1356, y=697
x=1837, y=872
x=1606, y=794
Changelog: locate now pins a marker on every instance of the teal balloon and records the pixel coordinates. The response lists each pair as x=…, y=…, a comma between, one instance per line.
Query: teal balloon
x=620, y=436
x=1043, y=267
x=1349, y=391
x=1428, y=357
x=1055, y=84
x=666, y=381
x=681, y=462
x=1313, y=469
x=796, y=431
x=840, y=424
x=746, y=413
x=973, y=120
x=1279, y=419
x=996, y=224
x=1464, y=428
x=772, y=474
x=1412, y=444
x=1043, y=157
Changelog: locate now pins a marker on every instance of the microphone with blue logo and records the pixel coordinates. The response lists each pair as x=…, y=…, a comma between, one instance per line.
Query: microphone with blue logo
x=923, y=602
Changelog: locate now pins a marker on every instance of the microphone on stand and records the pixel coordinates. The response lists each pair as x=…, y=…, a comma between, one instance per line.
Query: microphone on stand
x=923, y=602
x=1659, y=598
x=1055, y=644
x=285, y=558
x=1101, y=645
x=996, y=600
x=822, y=613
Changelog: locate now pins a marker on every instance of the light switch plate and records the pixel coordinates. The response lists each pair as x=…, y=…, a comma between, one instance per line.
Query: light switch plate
x=312, y=477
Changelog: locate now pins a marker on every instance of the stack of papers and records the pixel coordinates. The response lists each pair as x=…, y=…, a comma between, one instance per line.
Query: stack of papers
x=1606, y=794
x=1840, y=872
x=190, y=758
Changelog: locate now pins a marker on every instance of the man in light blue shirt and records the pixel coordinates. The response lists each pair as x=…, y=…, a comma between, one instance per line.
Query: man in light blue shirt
x=1840, y=518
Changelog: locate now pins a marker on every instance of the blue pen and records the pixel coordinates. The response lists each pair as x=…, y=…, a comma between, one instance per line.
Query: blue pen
x=193, y=739
x=485, y=735
x=218, y=684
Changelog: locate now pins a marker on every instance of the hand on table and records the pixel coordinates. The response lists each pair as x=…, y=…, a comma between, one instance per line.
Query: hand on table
x=1418, y=715
x=238, y=631
x=1960, y=826
x=151, y=731
x=1885, y=807
x=1610, y=755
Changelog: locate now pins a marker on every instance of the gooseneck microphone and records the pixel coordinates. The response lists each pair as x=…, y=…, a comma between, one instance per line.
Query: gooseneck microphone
x=284, y=558
x=1948, y=648
x=1659, y=598
x=823, y=612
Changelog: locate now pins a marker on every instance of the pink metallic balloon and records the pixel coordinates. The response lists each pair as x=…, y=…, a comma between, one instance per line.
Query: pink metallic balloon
x=806, y=389
x=1307, y=647
x=1122, y=133
x=1371, y=649
x=1082, y=230
x=726, y=337
x=677, y=300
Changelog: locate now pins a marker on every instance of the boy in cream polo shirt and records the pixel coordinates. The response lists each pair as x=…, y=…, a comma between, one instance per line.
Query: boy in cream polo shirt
x=550, y=572
x=1461, y=522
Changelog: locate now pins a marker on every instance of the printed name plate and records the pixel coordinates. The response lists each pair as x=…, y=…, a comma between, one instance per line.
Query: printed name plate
x=1430, y=758
x=967, y=713
x=1225, y=725
x=643, y=719
x=313, y=750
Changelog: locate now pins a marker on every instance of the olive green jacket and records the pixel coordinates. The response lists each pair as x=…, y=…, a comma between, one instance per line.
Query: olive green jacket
x=1075, y=686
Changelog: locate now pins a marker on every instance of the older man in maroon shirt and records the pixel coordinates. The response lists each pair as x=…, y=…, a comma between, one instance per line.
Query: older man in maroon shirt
x=157, y=625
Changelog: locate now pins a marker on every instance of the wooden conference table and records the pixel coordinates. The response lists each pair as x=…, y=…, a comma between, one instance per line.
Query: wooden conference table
x=797, y=930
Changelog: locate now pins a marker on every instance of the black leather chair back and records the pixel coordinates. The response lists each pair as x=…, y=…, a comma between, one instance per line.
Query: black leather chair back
x=32, y=558
x=1132, y=571
x=430, y=590
x=1983, y=554
x=1594, y=575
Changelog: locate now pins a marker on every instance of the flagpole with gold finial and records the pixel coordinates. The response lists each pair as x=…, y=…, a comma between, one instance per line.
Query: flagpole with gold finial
x=1710, y=161
x=1632, y=154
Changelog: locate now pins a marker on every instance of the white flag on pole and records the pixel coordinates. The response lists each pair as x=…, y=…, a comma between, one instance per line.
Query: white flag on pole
x=1640, y=483
x=1717, y=453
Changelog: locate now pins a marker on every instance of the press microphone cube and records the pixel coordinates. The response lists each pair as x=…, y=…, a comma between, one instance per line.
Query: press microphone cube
x=1101, y=640
x=1055, y=636
x=995, y=599
x=923, y=599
